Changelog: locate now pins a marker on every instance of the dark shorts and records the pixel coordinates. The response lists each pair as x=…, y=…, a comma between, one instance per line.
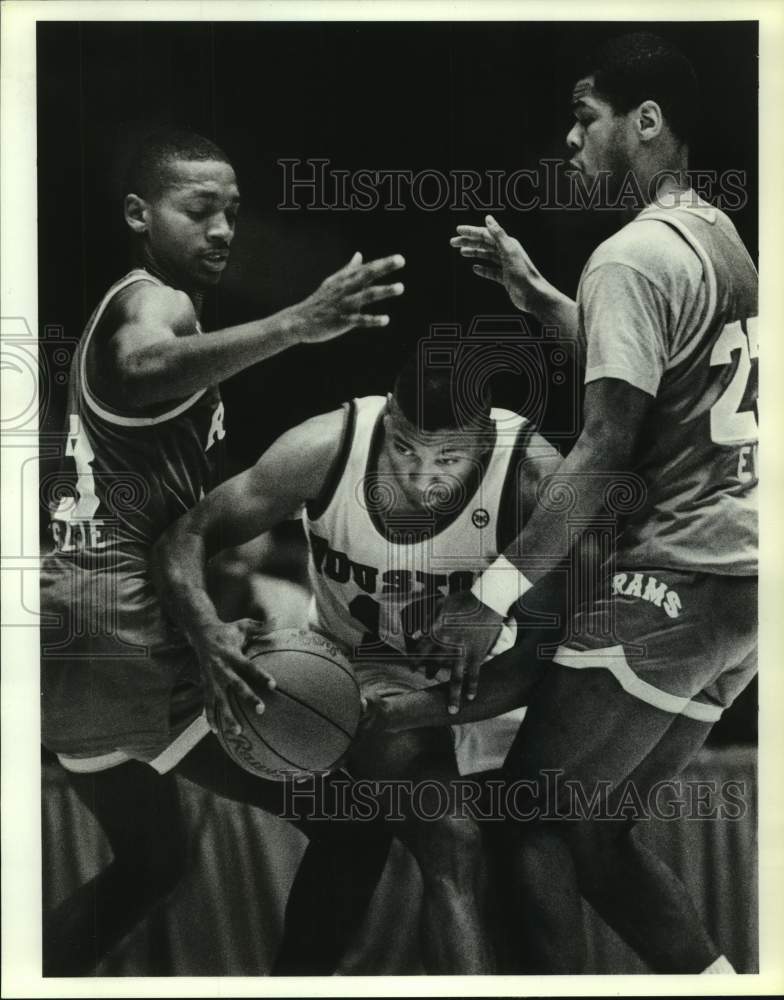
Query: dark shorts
x=685, y=643
x=114, y=675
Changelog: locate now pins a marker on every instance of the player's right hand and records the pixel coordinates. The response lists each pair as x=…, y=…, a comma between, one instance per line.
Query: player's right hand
x=502, y=259
x=220, y=650
x=338, y=304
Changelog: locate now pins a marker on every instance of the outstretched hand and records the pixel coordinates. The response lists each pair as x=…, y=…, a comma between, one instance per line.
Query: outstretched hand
x=463, y=632
x=225, y=667
x=502, y=260
x=338, y=304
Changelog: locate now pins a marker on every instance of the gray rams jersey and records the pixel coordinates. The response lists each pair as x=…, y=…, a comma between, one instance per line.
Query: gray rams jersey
x=669, y=304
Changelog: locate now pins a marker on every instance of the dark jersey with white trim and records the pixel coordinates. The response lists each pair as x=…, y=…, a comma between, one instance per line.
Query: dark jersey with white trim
x=114, y=673
x=126, y=477
x=669, y=304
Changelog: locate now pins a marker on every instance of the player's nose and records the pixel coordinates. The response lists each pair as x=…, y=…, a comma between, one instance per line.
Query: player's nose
x=573, y=137
x=220, y=229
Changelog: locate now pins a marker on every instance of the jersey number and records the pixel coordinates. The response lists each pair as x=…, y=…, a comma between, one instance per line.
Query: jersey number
x=733, y=419
x=414, y=618
x=79, y=449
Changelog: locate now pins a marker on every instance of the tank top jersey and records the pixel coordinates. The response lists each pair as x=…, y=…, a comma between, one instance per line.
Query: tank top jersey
x=125, y=478
x=370, y=589
x=697, y=451
x=111, y=664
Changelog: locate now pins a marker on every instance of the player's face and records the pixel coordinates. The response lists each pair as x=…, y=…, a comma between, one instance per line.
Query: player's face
x=190, y=224
x=430, y=469
x=600, y=138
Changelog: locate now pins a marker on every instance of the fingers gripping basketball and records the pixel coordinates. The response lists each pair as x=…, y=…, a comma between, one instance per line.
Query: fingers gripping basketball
x=310, y=717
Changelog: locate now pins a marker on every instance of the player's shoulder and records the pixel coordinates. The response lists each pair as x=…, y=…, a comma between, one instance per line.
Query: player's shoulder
x=318, y=448
x=321, y=431
x=150, y=301
x=648, y=245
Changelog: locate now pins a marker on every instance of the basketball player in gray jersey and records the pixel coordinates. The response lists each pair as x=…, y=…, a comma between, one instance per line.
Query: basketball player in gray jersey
x=123, y=694
x=666, y=313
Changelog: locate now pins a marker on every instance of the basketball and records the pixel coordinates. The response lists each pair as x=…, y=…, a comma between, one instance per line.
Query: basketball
x=309, y=719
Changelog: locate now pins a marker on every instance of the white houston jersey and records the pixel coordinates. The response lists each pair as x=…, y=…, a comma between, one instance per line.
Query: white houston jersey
x=371, y=590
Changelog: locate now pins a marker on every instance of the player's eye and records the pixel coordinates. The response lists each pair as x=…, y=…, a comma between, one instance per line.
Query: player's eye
x=403, y=448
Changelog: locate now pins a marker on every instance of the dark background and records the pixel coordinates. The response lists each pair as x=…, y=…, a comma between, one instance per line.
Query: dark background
x=443, y=96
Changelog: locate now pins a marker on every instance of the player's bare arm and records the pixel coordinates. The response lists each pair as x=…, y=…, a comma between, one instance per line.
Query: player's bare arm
x=292, y=471
x=502, y=259
x=154, y=357
x=614, y=412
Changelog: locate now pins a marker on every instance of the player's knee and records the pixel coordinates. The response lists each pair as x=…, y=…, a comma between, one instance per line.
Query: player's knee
x=448, y=849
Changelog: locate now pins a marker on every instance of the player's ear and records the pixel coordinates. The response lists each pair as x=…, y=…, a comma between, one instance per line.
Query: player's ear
x=649, y=120
x=135, y=210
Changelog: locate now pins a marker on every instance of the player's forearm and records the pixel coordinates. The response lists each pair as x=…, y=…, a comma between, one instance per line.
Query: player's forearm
x=179, y=568
x=179, y=366
x=555, y=309
x=504, y=684
x=569, y=500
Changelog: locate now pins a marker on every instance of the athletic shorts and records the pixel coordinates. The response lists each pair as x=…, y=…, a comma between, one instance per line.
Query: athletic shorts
x=683, y=642
x=115, y=677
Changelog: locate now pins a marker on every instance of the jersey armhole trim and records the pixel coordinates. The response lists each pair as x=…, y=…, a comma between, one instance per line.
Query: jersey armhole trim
x=508, y=504
x=317, y=507
x=109, y=416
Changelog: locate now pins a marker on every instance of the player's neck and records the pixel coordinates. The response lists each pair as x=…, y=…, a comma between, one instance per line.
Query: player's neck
x=660, y=184
x=148, y=262
x=671, y=186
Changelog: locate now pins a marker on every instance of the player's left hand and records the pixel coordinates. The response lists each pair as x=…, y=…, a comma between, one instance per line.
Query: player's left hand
x=462, y=633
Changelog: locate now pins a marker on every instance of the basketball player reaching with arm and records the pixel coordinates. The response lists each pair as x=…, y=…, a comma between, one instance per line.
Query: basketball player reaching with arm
x=666, y=313
x=122, y=700
x=392, y=496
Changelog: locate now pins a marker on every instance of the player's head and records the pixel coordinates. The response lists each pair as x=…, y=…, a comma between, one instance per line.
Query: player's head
x=635, y=106
x=434, y=442
x=181, y=203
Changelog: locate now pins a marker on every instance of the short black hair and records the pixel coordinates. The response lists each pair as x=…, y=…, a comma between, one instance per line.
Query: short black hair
x=148, y=172
x=439, y=398
x=630, y=69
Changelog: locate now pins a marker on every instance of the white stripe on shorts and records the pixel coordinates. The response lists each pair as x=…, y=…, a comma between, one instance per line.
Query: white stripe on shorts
x=613, y=658
x=165, y=761
x=91, y=765
x=184, y=743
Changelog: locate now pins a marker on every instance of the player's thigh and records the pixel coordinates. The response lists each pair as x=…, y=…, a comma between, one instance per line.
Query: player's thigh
x=581, y=727
x=318, y=804
x=643, y=794
x=138, y=810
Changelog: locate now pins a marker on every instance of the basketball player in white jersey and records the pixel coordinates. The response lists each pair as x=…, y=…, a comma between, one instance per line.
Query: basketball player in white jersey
x=666, y=313
x=122, y=694
x=404, y=500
